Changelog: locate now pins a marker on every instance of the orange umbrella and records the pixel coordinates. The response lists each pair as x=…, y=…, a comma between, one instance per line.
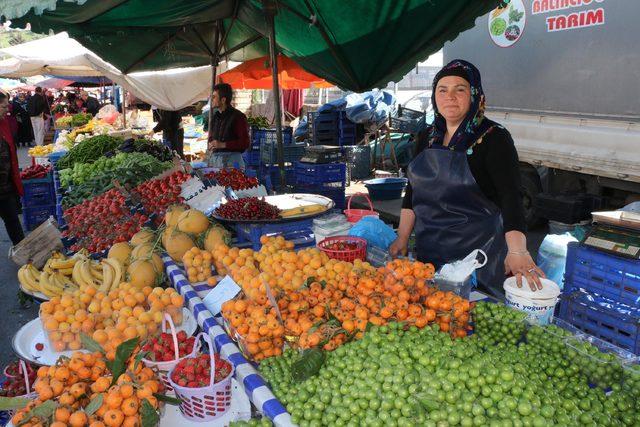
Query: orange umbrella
x=256, y=74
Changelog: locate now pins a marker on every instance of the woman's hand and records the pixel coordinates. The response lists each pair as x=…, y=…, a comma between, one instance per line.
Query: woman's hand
x=399, y=247
x=522, y=265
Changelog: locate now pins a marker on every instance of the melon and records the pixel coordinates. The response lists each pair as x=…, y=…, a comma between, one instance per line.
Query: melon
x=173, y=213
x=120, y=251
x=143, y=236
x=143, y=273
x=142, y=251
x=215, y=236
x=192, y=221
x=177, y=243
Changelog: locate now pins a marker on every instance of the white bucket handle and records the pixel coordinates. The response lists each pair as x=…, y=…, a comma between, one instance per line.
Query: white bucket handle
x=23, y=366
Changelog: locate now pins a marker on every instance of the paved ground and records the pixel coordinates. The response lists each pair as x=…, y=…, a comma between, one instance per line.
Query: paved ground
x=14, y=315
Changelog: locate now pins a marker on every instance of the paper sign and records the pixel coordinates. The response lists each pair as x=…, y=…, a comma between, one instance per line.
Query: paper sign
x=257, y=191
x=207, y=200
x=191, y=188
x=272, y=300
x=225, y=290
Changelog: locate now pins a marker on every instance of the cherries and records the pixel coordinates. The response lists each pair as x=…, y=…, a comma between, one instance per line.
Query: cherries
x=248, y=208
x=233, y=178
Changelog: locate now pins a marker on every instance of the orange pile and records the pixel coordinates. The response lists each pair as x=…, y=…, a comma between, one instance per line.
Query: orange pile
x=74, y=382
x=110, y=318
x=327, y=302
x=197, y=264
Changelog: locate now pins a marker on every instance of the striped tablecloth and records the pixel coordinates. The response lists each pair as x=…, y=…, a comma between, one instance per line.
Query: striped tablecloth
x=245, y=373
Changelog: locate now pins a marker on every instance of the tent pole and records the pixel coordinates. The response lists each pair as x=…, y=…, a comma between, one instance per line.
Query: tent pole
x=214, y=70
x=124, y=108
x=270, y=9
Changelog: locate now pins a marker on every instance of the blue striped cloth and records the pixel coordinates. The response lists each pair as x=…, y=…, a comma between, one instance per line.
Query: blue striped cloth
x=254, y=385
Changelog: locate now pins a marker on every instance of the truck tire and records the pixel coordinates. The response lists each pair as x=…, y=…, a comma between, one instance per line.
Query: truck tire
x=531, y=187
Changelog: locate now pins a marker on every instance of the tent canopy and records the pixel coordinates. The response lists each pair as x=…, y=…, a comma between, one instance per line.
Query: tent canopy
x=61, y=56
x=355, y=44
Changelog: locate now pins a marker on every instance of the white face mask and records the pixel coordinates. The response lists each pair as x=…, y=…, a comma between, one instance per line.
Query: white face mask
x=459, y=271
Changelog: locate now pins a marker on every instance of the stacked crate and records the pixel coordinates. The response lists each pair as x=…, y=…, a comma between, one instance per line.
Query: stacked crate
x=328, y=179
x=332, y=128
x=38, y=202
x=601, y=296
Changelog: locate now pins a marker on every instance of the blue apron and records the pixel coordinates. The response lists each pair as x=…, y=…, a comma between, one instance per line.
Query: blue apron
x=454, y=217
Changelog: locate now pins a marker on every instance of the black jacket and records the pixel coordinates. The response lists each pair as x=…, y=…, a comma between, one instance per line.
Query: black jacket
x=92, y=105
x=36, y=105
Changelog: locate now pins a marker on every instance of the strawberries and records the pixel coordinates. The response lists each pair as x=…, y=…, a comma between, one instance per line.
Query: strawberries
x=161, y=346
x=195, y=372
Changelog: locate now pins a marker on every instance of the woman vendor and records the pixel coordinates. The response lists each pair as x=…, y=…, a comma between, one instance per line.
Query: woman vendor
x=464, y=187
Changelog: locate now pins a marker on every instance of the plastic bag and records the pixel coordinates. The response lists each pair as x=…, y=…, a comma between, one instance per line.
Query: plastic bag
x=552, y=256
x=461, y=270
x=374, y=231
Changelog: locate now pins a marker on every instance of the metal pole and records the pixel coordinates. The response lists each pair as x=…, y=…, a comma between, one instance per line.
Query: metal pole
x=214, y=71
x=124, y=108
x=270, y=9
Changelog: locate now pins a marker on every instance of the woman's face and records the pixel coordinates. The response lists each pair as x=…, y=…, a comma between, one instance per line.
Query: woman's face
x=453, y=98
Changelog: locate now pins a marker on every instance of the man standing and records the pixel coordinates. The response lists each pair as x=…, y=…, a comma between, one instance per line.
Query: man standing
x=229, y=133
x=91, y=104
x=10, y=183
x=170, y=123
x=36, y=107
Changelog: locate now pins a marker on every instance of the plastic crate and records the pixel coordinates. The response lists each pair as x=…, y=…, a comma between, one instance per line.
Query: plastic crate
x=335, y=193
x=605, y=320
x=359, y=159
x=251, y=157
x=260, y=136
x=292, y=152
x=38, y=186
x=326, y=127
x=269, y=176
x=310, y=173
x=297, y=231
x=602, y=273
x=35, y=216
x=568, y=208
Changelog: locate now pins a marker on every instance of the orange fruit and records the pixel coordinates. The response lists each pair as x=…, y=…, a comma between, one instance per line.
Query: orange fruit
x=113, y=398
x=129, y=406
x=101, y=384
x=62, y=414
x=113, y=418
x=132, y=421
x=78, y=419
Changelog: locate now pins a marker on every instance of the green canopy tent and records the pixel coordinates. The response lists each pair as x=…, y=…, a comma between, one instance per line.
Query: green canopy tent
x=355, y=44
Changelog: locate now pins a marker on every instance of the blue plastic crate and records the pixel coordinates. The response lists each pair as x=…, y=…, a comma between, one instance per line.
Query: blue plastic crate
x=38, y=186
x=326, y=127
x=269, y=176
x=605, y=320
x=602, y=273
x=37, y=200
x=292, y=230
x=292, y=152
x=251, y=157
x=347, y=140
x=335, y=193
x=35, y=216
x=310, y=173
x=260, y=136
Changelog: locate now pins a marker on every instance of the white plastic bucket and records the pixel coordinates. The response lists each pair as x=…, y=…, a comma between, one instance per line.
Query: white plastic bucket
x=539, y=305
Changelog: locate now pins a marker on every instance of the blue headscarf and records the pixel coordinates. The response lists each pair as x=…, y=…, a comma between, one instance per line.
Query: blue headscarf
x=475, y=124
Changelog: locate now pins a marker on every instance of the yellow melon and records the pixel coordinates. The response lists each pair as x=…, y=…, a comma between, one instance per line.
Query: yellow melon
x=142, y=251
x=215, y=236
x=176, y=243
x=143, y=236
x=173, y=213
x=143, y=273
x=192, y=221
x=121, y=251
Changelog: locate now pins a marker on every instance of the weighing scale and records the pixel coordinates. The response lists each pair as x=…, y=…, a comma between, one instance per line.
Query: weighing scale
x=615, y=232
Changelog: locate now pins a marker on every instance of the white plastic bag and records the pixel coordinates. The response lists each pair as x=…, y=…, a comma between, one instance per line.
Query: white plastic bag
x=461, y=270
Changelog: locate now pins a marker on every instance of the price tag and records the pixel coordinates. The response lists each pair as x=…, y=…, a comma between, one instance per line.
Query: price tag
x=225, y=290
x=208, y=200
x=191, y=188
x=257, y=191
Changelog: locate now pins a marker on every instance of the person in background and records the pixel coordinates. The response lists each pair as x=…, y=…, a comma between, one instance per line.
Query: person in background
x=19, y=111
x=170, y=123
x=79, y=105
x=36, y=106
x=47, y=116
x=10, y=183
x=229, y=133
x=91, y=104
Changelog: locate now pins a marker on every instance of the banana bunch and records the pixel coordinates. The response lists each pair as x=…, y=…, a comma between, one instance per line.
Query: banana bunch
x=63, y=274
x=40, y=150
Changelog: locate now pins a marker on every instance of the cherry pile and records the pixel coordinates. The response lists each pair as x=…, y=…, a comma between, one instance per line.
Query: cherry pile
x=98, y=223
x=15, y=386
x=35, y=171
x=160, y=347
x=157, y=194
x=195, y=372
x=247, y=208
x=233, y=178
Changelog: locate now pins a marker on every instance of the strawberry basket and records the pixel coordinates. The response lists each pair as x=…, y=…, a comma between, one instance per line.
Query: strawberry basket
x=163, y=367
x=202, y=401
x=344, y=248
x=30, y=394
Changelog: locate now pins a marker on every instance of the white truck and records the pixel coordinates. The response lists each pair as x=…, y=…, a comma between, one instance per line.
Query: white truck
x=563, y=76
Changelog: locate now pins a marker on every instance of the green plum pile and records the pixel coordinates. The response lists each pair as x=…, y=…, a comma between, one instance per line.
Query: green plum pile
x=600, y=369
x=631, y=381
x=497, y=323
x=253, y=422
x=420, y=377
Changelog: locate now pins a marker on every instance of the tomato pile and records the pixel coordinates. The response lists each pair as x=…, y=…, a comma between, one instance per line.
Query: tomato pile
x=248, y=208
x=35, y=171
x=98, y=223
x=15, y=386
x=195, y=372
x=156, y=195
x=233, y=178
x=160, y=347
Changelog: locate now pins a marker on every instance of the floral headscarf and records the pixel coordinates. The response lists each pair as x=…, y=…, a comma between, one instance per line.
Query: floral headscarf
x=475, y=124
